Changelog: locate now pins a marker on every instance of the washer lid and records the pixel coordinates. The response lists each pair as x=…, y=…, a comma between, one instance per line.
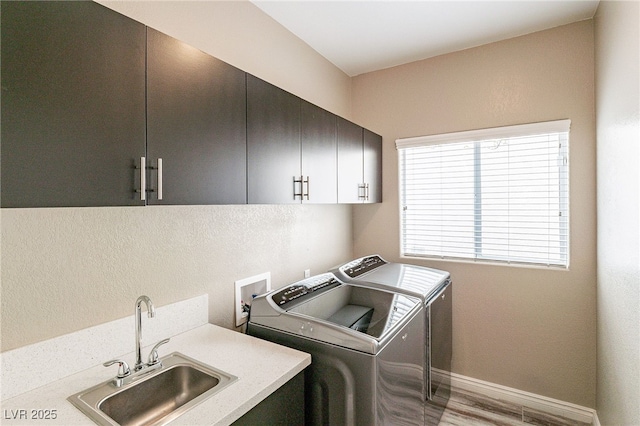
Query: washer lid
x=417, y=281
x=325, y=309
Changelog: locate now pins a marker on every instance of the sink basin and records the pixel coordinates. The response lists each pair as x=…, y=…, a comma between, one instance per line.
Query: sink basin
x=155, y=398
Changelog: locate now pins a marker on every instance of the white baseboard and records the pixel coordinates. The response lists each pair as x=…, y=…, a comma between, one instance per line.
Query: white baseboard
x=526, y=399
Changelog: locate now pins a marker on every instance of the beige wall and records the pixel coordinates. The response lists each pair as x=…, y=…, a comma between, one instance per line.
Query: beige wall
x=531, y=329
x=526, y=328
x=618, y=128
x=67, y=269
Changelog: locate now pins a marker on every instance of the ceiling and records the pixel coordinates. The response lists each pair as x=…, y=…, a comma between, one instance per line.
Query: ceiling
x=366, y=35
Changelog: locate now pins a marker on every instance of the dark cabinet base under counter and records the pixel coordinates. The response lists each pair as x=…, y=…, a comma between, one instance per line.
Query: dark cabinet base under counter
x=283, y=407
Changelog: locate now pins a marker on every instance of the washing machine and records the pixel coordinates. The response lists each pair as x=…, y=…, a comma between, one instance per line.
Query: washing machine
x=367, y=363
x=434, y=288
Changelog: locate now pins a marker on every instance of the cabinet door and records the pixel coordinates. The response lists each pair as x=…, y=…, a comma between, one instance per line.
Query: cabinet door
x=73, y=105
x=196, y=123
x=319, y=154
x=273, y=143
x=350, y=166
x=372, y=160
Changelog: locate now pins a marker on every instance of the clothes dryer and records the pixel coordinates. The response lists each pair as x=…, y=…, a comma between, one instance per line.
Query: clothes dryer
x=434, y=288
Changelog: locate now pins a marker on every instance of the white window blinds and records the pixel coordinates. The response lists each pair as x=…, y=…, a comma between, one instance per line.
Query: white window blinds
x=488, y=195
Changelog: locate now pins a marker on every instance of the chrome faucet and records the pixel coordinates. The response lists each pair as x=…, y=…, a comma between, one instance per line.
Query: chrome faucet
x=151, y=312
x=140, y=369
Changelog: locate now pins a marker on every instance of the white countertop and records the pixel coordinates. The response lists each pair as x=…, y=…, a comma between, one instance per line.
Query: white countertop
x=261, y=367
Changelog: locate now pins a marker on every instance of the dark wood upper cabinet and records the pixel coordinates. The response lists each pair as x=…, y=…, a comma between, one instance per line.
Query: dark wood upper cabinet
x=89, y=94
x=273, y=144
x=359, y=164
x=350, y=165
x=372, y=163
x=319, y=155
x=196, y=123
x=291, y=148
x=73, y=105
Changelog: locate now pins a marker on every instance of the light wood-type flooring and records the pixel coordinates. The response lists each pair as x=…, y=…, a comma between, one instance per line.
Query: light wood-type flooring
x=470, y=409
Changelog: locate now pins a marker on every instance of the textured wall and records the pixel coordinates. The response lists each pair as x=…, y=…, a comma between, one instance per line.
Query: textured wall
x=528, y=328
x=67, y=269
x=618, y=130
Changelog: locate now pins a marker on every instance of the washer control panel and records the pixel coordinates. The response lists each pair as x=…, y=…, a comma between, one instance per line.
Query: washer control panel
x=362, y=265
x=304, y=289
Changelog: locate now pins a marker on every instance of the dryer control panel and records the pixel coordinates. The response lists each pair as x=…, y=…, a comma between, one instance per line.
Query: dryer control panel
x=304, y=289
x=362, y=265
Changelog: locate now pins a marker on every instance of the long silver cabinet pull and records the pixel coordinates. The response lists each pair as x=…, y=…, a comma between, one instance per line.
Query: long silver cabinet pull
x=295, y=189
x=159, y=178
x=143, y=179
x=366, y=192
x=362, y=191
x=306, y=194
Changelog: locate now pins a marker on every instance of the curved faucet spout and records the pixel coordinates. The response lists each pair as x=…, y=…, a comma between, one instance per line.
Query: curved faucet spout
x=151, y=312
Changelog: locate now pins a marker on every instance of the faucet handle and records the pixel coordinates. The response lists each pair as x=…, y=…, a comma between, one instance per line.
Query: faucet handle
x=123, y=369
x=153, y=355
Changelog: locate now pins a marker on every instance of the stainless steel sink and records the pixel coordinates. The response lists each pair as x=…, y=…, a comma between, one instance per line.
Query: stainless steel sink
x=155, y=398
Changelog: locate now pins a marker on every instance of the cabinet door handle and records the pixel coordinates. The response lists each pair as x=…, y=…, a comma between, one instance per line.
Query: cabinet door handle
x=366, y=192
x=143, y=178
x=306, y=194
x=295, y=189
x=362, y=191
x=159, y=178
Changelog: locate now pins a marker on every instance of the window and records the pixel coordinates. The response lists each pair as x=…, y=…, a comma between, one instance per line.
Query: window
x=496, y=195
